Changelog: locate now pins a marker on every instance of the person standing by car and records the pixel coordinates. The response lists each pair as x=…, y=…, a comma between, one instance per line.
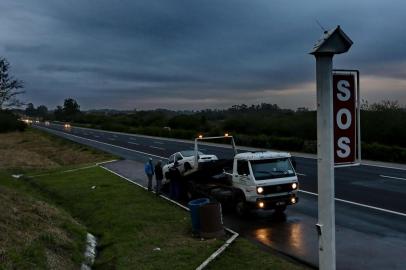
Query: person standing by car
x=174, y=177
x=149, y=171
x=158, y=177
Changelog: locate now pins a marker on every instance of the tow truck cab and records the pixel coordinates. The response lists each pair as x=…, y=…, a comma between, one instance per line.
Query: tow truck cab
x=265, y=180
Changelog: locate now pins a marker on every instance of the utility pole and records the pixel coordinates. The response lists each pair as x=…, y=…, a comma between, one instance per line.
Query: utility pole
x=332, y=42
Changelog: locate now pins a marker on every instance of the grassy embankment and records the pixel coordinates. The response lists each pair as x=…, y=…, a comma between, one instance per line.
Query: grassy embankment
x=130, y=223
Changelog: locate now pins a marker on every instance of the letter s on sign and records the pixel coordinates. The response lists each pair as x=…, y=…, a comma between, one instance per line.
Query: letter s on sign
x=344, y=93
x=345, y=149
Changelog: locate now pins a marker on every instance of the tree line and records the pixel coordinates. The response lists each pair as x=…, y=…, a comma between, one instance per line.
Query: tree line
x=383, y=125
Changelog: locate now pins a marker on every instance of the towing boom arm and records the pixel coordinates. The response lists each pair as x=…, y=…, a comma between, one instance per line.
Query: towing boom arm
x=212, y=138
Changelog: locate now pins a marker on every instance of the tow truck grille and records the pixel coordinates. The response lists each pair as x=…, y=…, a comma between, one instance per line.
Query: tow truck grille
x=277, y=189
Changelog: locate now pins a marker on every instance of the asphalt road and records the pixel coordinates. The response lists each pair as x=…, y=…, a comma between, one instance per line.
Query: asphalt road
x=370, y=203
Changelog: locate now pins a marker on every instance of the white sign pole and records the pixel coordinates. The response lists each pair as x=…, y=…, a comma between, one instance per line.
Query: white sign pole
x=332, y=42
x=325, y=162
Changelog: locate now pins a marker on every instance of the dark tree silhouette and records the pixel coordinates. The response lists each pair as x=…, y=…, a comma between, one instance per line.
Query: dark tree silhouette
x=9, y=87
x=30, y=110
x=70, y=107
x=42, y=111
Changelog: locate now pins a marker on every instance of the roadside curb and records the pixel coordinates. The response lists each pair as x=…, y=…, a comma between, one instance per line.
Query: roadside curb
x=214, y=255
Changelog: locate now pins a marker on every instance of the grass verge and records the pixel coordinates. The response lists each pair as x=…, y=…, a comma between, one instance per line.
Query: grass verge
x=36, y=235
x=35, y=150
x=245, y=255
x=130, y=224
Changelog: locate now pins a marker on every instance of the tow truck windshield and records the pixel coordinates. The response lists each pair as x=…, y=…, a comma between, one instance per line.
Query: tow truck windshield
x=271, y=168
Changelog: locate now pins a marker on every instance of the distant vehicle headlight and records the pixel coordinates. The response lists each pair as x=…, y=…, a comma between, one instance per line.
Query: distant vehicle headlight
x=260, y=190
x=294, y=185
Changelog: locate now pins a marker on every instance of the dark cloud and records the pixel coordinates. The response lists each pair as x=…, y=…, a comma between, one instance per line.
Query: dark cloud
x=191, y=54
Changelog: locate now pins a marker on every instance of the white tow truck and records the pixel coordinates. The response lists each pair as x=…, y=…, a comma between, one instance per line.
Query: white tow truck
x=251, y=180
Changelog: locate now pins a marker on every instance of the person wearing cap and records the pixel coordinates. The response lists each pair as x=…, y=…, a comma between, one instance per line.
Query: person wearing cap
x=158, y=177
x=149, y=171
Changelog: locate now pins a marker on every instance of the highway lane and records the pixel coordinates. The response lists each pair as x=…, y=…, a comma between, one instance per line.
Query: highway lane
x=366, y=238
x=369, y=185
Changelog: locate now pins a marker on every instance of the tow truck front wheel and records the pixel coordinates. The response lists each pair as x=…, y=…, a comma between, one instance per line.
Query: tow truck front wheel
x=280, y=209
x=241, y=207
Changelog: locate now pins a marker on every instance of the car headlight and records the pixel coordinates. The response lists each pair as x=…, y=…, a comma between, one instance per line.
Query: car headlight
x=260, y=190
x=294, y=185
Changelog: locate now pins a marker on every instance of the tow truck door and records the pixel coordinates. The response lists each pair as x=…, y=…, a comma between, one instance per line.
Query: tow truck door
x=241, y=176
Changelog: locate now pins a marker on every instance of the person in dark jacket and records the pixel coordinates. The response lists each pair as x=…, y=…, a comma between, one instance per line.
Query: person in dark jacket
x=174, y=184
x=158, y=177
x=149, y=171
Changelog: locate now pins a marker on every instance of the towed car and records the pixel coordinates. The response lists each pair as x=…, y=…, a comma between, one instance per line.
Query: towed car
x=186, y=161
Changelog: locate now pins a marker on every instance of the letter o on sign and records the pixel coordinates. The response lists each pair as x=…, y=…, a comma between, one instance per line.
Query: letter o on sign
x=344, y=112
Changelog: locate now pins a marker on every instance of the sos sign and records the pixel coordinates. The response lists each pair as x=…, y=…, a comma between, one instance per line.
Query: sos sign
x=346, y=118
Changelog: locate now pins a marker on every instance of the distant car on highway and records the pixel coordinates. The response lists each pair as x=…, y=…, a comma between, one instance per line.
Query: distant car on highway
x=67, y=126
x=186, y=160
x=47, y=123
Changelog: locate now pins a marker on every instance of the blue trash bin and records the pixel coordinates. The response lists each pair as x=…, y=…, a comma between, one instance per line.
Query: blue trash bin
x=194, y=213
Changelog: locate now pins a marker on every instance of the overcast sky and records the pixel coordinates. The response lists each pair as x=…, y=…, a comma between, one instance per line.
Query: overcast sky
x=189, y=54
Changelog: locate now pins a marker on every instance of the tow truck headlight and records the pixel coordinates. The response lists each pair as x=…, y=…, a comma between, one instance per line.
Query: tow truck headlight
x=294, y=185
x=261, y=204
x=293, y=200
x=260, y=190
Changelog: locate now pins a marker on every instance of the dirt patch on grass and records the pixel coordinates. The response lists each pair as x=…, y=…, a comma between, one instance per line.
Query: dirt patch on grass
x=35, y=235
x=34, y=149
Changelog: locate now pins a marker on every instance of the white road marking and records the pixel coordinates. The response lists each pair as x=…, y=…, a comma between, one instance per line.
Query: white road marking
x=132, y=138
x=159, y=142
x=360, y=204
x=112, y=139
x=160, y=148
x=104, y=162
x=301, y=174
x=393, y=177
x=109, y=144
x=382, y=166
x=133, y=143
